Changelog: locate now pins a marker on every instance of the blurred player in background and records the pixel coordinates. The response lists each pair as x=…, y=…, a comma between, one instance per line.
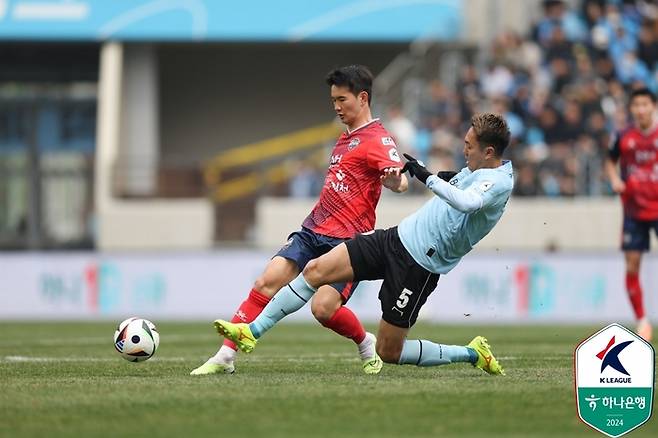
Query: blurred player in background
x=411, y=257
x=364, y=158
x=635, y=149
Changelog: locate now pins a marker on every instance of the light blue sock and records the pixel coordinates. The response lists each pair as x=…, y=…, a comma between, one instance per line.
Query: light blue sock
x=426, y=354
x=289, y=299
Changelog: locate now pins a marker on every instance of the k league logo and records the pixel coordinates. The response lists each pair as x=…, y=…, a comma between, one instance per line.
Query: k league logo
x=614, y=370
x=610, y=357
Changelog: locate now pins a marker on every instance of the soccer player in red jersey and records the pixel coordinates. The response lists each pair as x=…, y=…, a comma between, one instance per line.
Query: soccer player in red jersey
x=635, y=149
x=363, y=160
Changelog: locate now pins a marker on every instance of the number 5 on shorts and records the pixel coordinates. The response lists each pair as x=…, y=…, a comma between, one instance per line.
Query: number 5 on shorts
x=403, y=299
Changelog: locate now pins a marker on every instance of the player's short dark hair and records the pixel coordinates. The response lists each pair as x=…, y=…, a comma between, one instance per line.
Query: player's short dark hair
x=491, y=130
x=643, y=91
x=356, y=78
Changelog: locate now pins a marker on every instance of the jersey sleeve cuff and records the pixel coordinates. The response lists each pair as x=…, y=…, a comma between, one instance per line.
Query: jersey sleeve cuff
x=431, y=180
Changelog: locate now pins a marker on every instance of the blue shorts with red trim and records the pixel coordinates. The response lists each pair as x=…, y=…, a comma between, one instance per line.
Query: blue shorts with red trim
x=635, y=234
x=306, y=245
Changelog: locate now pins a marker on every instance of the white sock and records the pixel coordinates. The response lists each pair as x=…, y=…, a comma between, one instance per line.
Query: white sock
x=223, y=356
x=367, y=347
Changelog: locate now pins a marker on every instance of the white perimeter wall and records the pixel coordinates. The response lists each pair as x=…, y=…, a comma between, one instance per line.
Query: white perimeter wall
x=503, y=287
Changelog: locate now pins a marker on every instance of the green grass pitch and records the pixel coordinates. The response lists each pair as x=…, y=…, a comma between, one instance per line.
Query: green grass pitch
x=65, y=379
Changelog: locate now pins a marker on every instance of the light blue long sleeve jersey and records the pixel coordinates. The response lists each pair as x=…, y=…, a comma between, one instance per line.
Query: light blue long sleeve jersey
x=447, y=227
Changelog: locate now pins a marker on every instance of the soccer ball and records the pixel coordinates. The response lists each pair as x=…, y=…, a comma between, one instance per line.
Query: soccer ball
x=136, y=339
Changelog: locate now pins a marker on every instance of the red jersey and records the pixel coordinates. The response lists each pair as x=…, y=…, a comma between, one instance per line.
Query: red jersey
x=352, y=186
x=637, y=153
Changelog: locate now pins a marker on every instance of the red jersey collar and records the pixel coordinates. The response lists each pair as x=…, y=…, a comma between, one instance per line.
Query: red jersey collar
x=362, y=126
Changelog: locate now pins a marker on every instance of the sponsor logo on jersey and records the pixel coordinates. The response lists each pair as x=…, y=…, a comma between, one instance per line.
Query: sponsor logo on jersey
x=335, y=160
x=393, y=155
x=340, y=187
x=388, y=141
x=353, y=144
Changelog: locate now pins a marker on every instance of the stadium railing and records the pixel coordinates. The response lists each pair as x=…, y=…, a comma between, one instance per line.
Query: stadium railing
x=243, y=171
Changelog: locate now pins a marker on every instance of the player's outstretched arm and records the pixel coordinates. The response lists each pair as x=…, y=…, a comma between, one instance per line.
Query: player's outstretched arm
x=446, y=175
x=416, y=167
x=463, y=200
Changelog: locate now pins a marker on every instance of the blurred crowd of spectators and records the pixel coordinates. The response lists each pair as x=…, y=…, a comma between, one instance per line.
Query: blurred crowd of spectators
x=562, y=89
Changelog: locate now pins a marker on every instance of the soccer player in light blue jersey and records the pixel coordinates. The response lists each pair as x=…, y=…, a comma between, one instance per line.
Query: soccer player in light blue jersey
x=411, y=257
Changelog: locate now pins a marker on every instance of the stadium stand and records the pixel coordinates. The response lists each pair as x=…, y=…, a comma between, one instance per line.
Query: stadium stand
x=563, y=89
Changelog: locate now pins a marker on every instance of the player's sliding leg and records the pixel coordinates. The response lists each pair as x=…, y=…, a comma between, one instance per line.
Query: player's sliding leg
x=278, y=271
x=486, y=360
x=634, y=290
x=393, y=347
x=427, y=354
x=289, y=299
x=327, y=307
x=332, y=267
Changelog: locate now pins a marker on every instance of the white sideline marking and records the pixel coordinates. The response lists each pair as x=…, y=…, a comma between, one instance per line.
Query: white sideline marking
x=288, y=358
x=81, y=359
x=563, y=357
x=344, y=357
x=92, y=340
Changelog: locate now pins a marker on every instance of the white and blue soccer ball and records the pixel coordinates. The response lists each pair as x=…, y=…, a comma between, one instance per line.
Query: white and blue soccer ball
x=136, y=339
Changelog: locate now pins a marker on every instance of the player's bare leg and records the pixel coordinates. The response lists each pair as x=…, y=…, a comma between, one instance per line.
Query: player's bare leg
x=634, y=290
x=327, y=307
x=332, y=267
x=390, y=340
x=278, y=272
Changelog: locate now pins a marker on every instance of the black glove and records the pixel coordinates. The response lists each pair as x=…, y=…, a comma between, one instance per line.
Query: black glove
x=446, y=175
x=416, y=168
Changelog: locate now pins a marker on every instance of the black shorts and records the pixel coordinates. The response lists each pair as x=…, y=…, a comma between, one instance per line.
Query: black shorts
x=381, y=255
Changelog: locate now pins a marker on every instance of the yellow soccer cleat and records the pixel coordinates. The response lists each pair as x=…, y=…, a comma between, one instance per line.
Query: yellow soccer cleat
x=240, y=333
x=486, y=360
x=373, y=365
x=209, y=368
